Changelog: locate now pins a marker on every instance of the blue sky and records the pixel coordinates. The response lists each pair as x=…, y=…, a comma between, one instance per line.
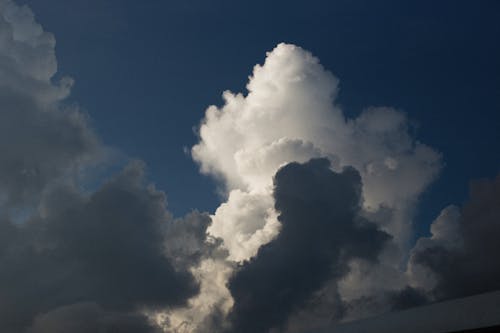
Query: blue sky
x=145, y=71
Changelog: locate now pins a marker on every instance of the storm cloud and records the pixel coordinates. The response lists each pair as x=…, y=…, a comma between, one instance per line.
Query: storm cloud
x=89, y=317
x=107, y=248
x=71, y=259
x=41, y=139
x=321, y=231
x=460, y=258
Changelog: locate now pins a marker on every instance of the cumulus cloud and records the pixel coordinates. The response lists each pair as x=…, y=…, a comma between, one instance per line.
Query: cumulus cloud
x=205, y=312
x=41, y=139
x=189, y=247
x=459, y=259
x=186, y=242
x=321, y=230
x=315, y=226
x=71, y=260
x=107, y=248
x=290, y=115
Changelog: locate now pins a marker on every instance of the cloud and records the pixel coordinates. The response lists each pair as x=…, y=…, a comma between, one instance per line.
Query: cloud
x=315, y=226
x=289, y=114
x=459, y=258
x=321, y=230
x=189, y=247
x=41, y=139
x=107, y=248
x=186, y=240
x=205, y=312
x=89, y=317
x=70, y=259
x=466, y=314
x=407, y=298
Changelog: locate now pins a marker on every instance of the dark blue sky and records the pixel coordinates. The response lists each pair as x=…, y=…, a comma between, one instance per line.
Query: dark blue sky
x=145, y=71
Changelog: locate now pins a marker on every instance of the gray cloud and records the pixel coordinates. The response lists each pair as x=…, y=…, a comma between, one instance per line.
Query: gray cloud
x=90, y=317
x=38, y=146
x=42, y=140
x=72, y=260
x=99, y=261
x=407, y=298
x=107, y=248
x=187, y=243
x=321, y=230
x=463, y=259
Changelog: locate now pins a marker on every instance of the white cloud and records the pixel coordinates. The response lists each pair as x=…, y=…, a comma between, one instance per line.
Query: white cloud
x=289, y=114
x=214, y=299
x=245, y=222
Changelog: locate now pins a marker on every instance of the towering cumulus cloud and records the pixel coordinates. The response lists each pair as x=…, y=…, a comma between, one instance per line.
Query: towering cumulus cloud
x=289, y=115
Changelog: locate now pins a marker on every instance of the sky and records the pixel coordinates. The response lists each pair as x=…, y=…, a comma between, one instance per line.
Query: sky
x=146, y=72
x=185, y=166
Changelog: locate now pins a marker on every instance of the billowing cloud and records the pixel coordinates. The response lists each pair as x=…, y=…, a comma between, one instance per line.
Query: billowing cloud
x=72, y=260
x=321, y=230
x=107, y=248
x=459, y=259
x=189, y=247
x=290, y=115
x=41, y=139
x=315, y=226
x=186, y=241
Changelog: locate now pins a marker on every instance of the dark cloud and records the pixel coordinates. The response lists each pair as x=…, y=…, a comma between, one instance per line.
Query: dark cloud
x=323, y=307
x=75, y=261
x=462, y=315
x=43, y=139
x=407, y=298
x=107, y=248
x=377, y=303
x=90, y=318
x=321, y=231
x=38, y=145
x=473, y=267
x=187, y=241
